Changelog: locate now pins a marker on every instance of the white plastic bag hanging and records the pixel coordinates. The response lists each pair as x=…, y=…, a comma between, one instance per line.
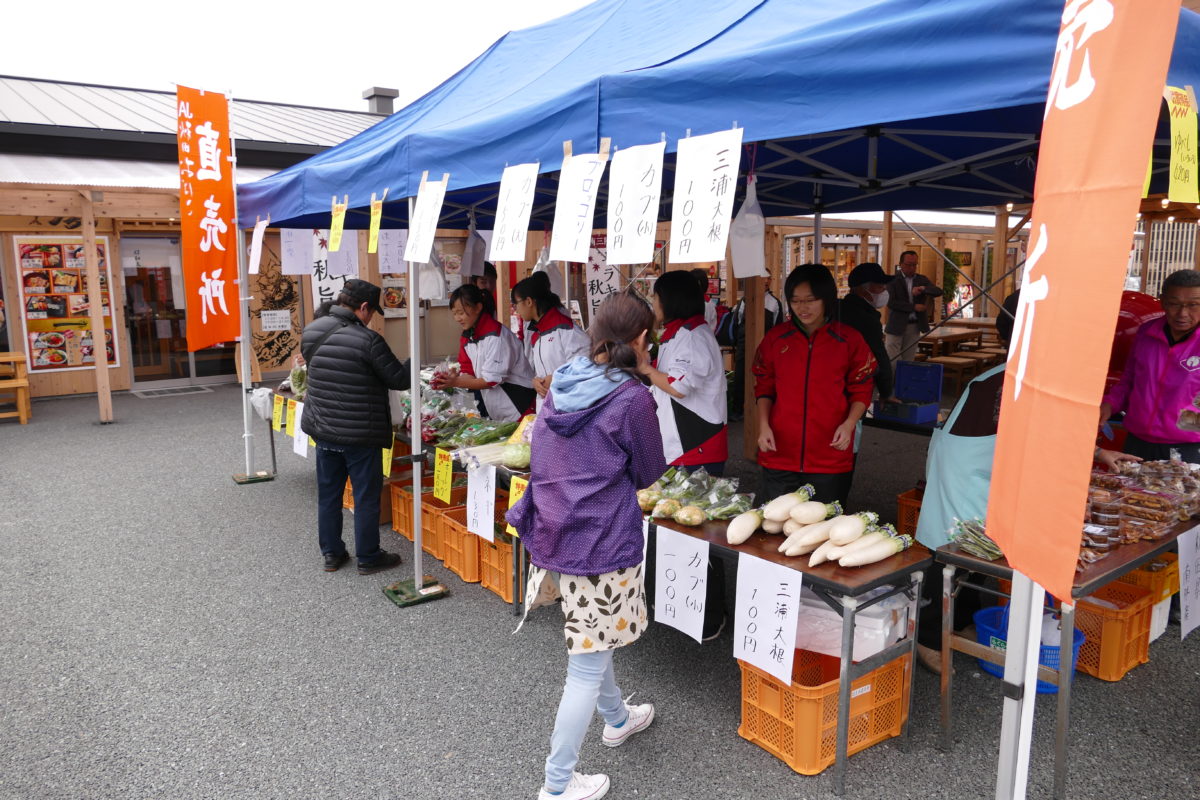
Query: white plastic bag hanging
x=431, y=278
x=473, y=253
x=747, y=236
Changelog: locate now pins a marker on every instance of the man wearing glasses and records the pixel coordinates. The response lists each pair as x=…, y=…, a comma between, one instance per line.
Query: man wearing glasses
x=1160, y=388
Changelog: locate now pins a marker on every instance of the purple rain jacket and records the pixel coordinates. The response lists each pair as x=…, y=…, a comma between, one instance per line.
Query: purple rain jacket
x=579, y=514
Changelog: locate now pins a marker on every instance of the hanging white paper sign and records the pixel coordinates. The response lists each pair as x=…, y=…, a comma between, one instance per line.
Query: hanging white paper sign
x=513, y=208
x=344, y=260
x=575, y=207
x=296, y=245
x=481, y=501
x=634, y=190
x=391, y=252
x=681, y=577
x=764, y=633
x=423, y=226
x=706, y=171
x=1189, y=581
x=256, y=240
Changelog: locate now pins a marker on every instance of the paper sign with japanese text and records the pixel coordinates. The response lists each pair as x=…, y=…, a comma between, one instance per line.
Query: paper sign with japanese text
x=1184, y=183
x=706, y=176
x=575, y=207
x=277, y=412
x=337, y=224
x=681, y=579
x=301, y=440
x=326, y=284
x=481, y=501
x=376, y=219
x=296, y=246
x=443, y=474
x=391, y=252
x=513, y=207
x=516, y=490
x=1189, y=581
x=343, y=262
x=634, y=190
x=1109, y=68
x=387, y=458
x=423, y=226
x=207, y=224
x=764, y=617
x=603, y=279
x=275, y=319
x=256, y=241
x=290, y=427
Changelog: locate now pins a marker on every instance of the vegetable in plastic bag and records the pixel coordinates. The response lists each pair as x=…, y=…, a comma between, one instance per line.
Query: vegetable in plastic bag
x=665, y=507
x=516, y=456
x=689, y=515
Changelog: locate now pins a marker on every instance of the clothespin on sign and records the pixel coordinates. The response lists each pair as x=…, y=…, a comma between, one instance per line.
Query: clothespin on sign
x=567, y=151
x=605, y=147
x=424, y=177
x=1191, y=93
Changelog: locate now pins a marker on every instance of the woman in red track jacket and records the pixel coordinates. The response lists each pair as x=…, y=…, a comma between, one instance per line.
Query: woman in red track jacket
x=813, y=380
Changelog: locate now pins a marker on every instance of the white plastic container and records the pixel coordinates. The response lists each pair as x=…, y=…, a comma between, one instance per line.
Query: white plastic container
x=819, y=627
x=1159, y=618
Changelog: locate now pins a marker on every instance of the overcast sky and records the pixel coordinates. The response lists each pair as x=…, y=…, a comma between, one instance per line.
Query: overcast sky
x=318, y=54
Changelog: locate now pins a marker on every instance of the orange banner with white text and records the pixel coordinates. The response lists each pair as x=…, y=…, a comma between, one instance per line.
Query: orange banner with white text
x=1101, y=110
x=209, y=228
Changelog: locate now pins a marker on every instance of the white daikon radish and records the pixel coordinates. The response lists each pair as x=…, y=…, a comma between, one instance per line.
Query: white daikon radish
x=808, y=512
x=815, y=534
x=885, y=548
x=846, y=529
x=821, y=554
x=743, y=526
x=800, y=549
x=792, y=540
x=866, y=540
x=772, y=525
x=779, y=508
x=790, y=526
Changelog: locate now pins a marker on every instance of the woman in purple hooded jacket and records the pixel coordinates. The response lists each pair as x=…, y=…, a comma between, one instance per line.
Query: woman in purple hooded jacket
x=595, y=443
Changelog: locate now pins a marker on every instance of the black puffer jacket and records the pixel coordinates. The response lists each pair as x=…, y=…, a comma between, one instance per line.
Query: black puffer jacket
x=348, y=379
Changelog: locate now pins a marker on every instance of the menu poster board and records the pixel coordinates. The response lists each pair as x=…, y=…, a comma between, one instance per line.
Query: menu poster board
x=52, y=276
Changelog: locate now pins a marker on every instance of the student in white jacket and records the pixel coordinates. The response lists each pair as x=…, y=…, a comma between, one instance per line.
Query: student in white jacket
x=554, y=339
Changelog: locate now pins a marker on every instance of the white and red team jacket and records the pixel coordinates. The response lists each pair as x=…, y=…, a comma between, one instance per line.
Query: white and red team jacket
x=493, y=353
x=693, y=427
x=553, y=341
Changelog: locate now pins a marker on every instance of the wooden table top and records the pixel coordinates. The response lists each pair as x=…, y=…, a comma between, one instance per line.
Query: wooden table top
x=952, y=332
x=12, y=358
x=853, y=581
x=974, y=322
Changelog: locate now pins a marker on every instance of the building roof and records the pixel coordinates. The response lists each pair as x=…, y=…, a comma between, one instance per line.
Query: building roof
x=114, y=173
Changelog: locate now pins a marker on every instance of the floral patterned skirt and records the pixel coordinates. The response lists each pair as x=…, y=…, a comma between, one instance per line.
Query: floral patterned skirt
x=603, y=612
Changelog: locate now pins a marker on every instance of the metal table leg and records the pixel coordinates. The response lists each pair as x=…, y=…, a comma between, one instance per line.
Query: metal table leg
x=947, y=654
x=849, y=609
x=1066, y=650
x=518, y=561
x=271, y=439
x=914, y=604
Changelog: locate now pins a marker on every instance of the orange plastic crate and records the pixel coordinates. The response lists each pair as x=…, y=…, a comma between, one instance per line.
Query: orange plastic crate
x=431, y=513
x=908, y=511
x=496, y=567
x=1162, y=583
x=402, y=506
x=460, y=548
x=1117, y=639
x=798, y=723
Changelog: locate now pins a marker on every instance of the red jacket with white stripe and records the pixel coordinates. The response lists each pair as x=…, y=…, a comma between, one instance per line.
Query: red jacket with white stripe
x=813, y=381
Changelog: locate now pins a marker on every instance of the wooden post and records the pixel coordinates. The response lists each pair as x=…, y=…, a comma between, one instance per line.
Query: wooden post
x=754, y=321
x=864, y=246
x=1148, y=225
x=502, y=292
x=96, y=308
x=368, y=270
x=885, y=253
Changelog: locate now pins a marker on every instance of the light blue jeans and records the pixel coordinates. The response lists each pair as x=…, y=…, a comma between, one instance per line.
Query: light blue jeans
x=590, y=686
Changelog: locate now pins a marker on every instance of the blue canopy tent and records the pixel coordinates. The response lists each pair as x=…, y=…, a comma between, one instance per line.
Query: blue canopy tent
x=857, y=105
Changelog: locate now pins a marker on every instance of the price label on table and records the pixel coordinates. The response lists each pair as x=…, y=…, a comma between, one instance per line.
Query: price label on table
x=481, y=502
x=291, y=417
x=300, y=441
x=768, y=597
x=443, y=474
x=1189, y=581
x=387, y=458
x=277, y=413
x=681, y=581
x=516, y=489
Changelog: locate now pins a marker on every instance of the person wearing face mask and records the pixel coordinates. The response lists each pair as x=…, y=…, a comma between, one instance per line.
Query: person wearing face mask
x=860, y=309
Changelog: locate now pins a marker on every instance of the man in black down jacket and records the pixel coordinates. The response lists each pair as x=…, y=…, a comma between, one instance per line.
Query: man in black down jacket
x=350, y=369
x=860, y=310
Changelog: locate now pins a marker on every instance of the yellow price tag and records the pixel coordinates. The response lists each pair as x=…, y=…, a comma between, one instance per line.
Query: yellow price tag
x=376, y=218
x=277, y=413
x=336, y=224
x=387, y=459
x=443, y=474
x=516, y=488
x=312, y=442
x=291, y=418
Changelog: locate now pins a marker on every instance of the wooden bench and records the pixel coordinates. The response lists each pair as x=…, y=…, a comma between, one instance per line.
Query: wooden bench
x=982, y=359
x=958, y=369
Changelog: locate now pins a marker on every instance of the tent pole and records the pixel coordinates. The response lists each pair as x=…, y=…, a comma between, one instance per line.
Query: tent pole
x=414, y=416
x=818, y=236
x=1020, y=679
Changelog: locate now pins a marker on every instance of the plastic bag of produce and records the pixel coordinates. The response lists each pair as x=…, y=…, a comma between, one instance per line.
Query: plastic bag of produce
x=516, y=456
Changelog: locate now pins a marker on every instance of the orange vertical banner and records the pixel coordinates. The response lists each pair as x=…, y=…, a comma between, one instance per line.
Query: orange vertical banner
x=209, y=226
x=1101, y=111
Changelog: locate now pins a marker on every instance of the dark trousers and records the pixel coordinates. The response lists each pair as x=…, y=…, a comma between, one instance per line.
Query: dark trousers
x=828, y=486
x=364, y=467
x=968, y=601
x=1154, y=451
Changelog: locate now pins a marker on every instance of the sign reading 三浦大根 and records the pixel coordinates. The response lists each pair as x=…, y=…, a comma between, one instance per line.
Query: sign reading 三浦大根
x=706, y=174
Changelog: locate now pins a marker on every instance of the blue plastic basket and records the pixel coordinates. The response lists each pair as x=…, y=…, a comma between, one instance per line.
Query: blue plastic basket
x=991, y=630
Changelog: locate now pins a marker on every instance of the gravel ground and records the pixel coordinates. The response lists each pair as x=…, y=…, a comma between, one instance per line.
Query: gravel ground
x=167, y=633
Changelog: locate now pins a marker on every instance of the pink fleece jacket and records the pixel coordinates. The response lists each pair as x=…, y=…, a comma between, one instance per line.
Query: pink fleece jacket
x=1159, y=382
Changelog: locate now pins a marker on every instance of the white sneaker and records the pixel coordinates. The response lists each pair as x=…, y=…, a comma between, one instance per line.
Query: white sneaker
x=638, y=719
x=581, y=787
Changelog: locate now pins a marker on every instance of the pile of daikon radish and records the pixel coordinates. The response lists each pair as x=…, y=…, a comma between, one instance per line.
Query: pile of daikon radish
x=820, y=530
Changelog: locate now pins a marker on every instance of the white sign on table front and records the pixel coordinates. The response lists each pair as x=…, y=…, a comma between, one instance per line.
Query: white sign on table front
x=513, y=208
x=423, y=225
x=296, y=245
x=481, y=501
x=575, y=207
x=764, y=618
x=706, y=173
x=275, y=319
x=391, y=252
x=300, y=440
x=680, y=581
x=634, y=190
x=1189, y=581
x=256, y=240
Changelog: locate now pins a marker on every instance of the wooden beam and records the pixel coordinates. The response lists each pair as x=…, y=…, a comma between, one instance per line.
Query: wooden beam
x=96, y=308
x=31, y=202
x=1000, y=256
x=886, y=254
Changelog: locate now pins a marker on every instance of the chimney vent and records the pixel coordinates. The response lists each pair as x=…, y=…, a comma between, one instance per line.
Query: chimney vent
x=379, y=100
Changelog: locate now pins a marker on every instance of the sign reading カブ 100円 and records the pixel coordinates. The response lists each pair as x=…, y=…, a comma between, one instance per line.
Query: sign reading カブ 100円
x=209, y=227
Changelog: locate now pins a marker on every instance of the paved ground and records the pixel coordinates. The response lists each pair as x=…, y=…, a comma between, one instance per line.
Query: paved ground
x=168, y=634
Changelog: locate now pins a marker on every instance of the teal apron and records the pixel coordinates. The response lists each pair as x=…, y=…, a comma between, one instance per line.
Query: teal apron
x=958, y=475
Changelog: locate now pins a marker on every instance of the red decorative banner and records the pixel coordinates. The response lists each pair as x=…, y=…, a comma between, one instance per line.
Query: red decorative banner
x=206, y=205
x=1101, y=111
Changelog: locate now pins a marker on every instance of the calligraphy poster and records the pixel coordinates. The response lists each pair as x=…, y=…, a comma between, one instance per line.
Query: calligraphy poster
x=345, y=260
x=391, y=252
x=603, y=279
x=206, y=206
x=423, y=226
x=706, y=174
x=575, y=207
x=1184, y=181
x=764, y=617
x=634, y=191
x=296, y=251
x=52, y=278
x=1108, y=72
x=515, y=203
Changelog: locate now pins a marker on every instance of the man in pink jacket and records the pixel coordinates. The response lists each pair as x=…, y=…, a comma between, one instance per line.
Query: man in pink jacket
x=1160, y=388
